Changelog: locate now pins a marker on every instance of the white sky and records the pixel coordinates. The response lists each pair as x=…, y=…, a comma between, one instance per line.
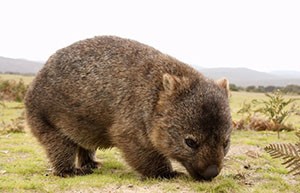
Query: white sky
x=258, y=34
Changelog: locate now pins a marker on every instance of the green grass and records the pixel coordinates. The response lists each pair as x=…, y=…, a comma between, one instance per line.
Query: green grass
x=247, y=168
x=23, y=167
x=10, y=110
x=26, y=79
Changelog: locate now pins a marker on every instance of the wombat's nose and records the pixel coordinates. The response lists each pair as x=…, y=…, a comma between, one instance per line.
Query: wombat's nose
x=210, y=172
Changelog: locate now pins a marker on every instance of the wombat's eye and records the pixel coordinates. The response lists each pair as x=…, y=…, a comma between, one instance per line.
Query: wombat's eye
x=191, y=143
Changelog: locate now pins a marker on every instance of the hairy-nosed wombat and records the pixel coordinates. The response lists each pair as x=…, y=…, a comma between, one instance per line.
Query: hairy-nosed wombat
x=108, y=91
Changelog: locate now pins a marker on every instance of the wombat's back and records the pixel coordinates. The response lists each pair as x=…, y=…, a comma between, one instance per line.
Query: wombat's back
x=103, y=71
x=98, y=81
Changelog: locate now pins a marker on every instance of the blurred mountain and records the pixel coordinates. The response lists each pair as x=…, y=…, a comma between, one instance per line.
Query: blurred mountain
x=248, y=77
x=290, y=74
x=19, y=66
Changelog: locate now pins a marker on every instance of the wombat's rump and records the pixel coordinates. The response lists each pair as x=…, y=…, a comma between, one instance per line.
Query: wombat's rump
x=108, y=91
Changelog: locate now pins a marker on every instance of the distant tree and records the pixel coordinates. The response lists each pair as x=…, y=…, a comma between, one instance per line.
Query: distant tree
x=271, y=88
x=292, y=89
x=289, y=89
x=233, y=87
x=261, y=89
x=250, y=88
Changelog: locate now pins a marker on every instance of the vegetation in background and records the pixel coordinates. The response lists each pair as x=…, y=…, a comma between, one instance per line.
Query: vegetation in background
x=276, y=108
x=269, y=113
x=289, y=89
x=26, y=78
x=11, y=124
x=16, y=125
x=12, y=90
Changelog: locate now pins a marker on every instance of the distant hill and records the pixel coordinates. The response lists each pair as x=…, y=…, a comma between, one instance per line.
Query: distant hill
x=239, y=76
x=19, y=66
x=247, y=77
x=290, y=74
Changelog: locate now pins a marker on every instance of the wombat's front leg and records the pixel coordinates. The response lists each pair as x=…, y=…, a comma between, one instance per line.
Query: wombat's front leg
x=86, y=159
x=148, y=162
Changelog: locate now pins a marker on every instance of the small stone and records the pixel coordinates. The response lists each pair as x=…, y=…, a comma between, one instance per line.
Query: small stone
x=2, y=172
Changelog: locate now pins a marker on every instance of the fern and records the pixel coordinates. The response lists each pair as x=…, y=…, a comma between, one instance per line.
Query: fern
x=290, y=153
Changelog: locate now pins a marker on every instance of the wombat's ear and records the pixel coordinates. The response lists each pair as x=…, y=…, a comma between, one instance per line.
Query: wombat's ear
x=224, y=83
x=170, y=82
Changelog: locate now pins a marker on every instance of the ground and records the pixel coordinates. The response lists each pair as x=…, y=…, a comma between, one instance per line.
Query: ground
x=248, y=168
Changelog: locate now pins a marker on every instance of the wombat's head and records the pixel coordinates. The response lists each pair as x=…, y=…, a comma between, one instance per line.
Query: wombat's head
x=193, y=124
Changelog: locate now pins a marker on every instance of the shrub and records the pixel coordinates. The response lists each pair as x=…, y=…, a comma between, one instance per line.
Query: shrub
x=276, y=109
x=12, y=90
x=16, y=125
x=269, y=114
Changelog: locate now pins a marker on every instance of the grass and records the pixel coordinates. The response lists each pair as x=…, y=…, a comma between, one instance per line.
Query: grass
x=26, y=79
x=10, y=110
x=247, y=168
x=24, y=168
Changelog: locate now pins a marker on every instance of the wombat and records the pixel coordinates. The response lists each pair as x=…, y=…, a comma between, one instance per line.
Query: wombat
x=108, y=92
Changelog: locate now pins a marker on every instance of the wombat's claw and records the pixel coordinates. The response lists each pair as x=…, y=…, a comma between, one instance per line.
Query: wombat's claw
x=74, y=172
x=178, y=174
x=173, y=174
x=83, y=171
x=64, y=173
x=91, y=165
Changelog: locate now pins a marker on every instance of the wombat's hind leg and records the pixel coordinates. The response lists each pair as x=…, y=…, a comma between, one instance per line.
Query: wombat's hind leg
x=86, y=159
x=60, y=150
x=62, y=155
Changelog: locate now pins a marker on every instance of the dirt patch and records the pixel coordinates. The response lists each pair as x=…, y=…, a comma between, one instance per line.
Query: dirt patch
x=157, y=188
x=249, y=150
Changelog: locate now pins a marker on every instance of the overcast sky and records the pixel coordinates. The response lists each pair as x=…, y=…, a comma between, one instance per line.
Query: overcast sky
x=258, y=34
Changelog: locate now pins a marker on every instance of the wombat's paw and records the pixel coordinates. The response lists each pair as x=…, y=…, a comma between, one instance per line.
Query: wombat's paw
x=173, y=174
x=83, y=171
x=65, y=172
x=73, y=172
x=91, y=165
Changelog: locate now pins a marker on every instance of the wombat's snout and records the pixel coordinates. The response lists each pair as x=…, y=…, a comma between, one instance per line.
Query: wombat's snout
x=203, y=174
x=210, y=172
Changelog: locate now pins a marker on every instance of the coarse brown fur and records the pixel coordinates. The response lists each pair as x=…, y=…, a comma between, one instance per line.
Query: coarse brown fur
x=111, y=92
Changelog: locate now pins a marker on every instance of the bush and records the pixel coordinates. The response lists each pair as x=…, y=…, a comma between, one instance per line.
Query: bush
x=12, y=90
x=276, y=109
x=269, y=114
x=16, y=125
x=257, y=123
